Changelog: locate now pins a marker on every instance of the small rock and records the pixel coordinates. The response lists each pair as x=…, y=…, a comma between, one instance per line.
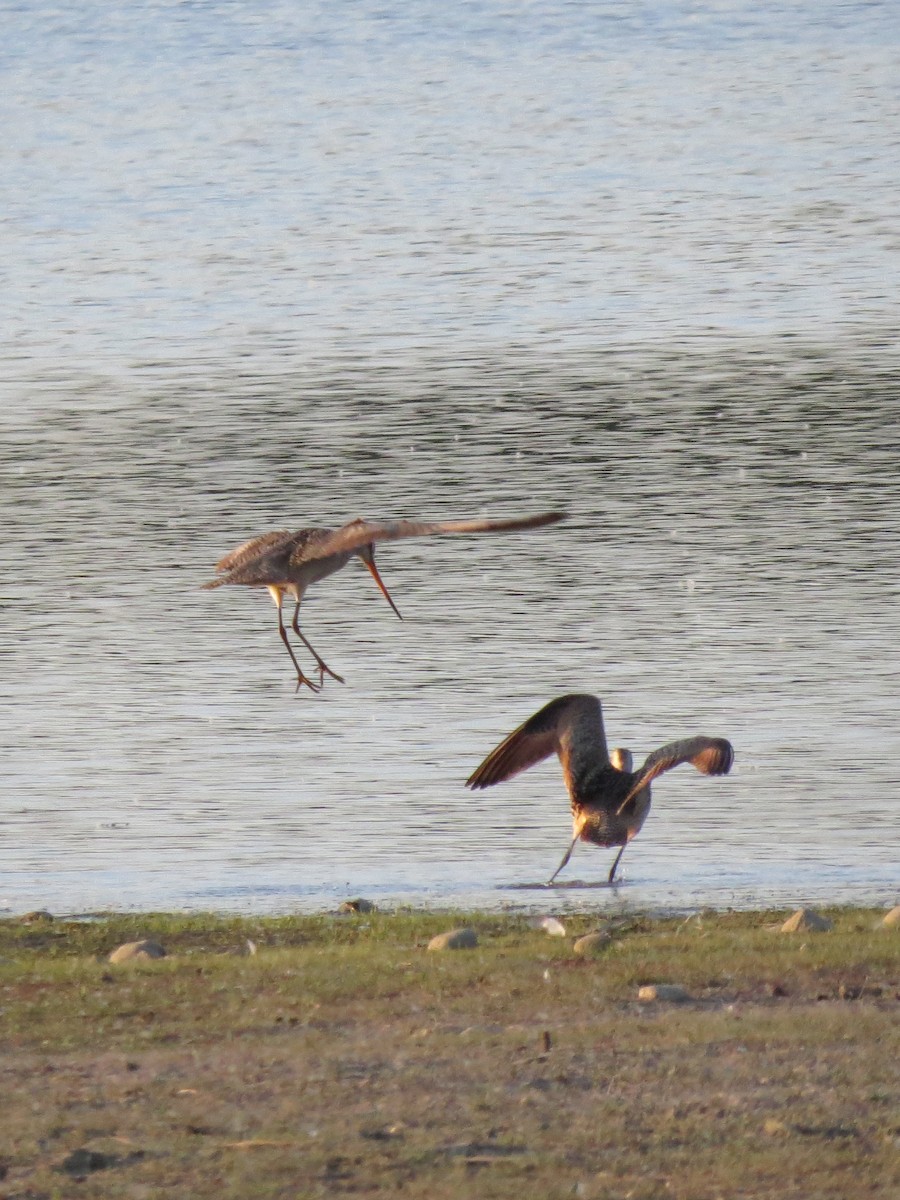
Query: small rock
x=807, y=920
x=357, y=906
x=592, y=943
x=670, y=992
x=32, y=918
x=892, y=919
x=454, y=939
x=551, y=926
x=137, y=950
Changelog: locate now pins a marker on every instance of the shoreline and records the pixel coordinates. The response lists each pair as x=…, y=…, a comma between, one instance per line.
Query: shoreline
x=555, y=902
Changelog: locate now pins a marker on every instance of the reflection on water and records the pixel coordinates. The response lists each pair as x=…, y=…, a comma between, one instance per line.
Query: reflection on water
x=278, y=265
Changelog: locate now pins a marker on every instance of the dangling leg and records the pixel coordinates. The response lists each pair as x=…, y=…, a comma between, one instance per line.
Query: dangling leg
x=320, y=662
x=282, y=633
x=566, y=858
x=615, y=864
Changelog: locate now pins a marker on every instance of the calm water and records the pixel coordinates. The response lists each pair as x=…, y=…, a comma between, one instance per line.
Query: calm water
x=272, y=265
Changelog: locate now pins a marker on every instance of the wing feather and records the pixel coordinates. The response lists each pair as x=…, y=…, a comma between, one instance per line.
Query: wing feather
x=711, y=756
x=252, y=548
x=359, y=533
x=570, y=726
x=260, y=560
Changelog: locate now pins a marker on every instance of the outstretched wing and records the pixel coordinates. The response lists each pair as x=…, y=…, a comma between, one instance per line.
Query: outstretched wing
x=249, y=552
x=359, y=533
x=711, y=756
x=570, y=726
x=252, y=548
x=263, y=559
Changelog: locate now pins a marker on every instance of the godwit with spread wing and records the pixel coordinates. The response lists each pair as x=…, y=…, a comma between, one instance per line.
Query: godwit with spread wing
x=610, y=802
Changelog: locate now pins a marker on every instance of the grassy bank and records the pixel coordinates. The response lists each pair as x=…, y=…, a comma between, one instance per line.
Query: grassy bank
x=341, y=1058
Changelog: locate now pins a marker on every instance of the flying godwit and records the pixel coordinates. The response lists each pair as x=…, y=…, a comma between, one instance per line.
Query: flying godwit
x=288, y=562
x=610, y=802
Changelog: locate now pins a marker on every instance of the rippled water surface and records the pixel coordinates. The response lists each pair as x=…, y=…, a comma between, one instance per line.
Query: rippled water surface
x=276, y=265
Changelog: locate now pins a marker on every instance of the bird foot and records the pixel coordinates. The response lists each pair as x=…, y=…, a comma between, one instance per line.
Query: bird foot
x=302, y=681
x=324, y=670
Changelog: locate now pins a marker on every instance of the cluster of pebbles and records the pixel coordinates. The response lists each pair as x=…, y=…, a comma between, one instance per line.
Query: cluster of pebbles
x=804, y=920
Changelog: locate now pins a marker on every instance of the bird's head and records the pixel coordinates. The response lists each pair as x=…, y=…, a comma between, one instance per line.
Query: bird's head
x=621, y=759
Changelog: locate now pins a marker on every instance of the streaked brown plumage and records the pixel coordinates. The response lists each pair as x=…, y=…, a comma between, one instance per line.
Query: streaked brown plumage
x=610, y=802
x=288, y=562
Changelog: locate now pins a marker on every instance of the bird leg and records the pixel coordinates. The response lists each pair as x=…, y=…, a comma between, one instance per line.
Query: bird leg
x=320, y=662
x=566, y=858
x=568, y=855
x=282, y=633
x=615, y=864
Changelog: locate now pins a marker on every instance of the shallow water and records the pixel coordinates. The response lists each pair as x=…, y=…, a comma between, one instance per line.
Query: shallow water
x=271, y=268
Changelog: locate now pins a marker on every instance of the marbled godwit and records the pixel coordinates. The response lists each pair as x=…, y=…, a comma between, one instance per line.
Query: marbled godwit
x=610, y=802
x=287, y=563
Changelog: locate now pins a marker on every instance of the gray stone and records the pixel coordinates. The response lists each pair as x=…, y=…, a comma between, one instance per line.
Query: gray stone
x=806, y=920
x=39, y=914
x=454, y=939
x=358, y=905
x=592, y=943
x=132, y=951
x=671, y=993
